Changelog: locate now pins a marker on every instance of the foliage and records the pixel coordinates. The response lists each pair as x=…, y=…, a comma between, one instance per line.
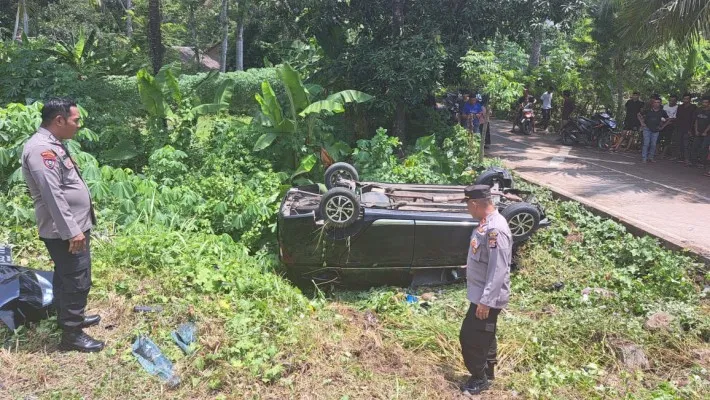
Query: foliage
x=299, y=127
x=434, y=159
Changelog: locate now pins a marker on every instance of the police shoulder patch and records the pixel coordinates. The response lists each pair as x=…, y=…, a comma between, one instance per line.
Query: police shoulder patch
x=49, y=159
x=493, y=239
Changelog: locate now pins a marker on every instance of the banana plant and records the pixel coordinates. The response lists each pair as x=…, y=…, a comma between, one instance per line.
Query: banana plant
x=298, y=125
x=76, y=53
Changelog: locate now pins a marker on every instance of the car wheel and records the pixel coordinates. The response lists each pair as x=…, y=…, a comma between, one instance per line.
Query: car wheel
x=339, y=207
x=339, y=171
x=491, y=176
x=523, y=220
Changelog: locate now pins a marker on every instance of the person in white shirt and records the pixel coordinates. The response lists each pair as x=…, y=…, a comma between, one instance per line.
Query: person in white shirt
x=546, y=107
x=667, y=135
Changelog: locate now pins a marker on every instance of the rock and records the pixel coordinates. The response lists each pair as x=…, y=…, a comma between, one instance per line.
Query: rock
x=632, y=356
x=601, y=292
x=702, y=356
x=660, y=321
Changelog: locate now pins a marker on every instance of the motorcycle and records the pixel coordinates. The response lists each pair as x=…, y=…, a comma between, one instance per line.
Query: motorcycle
x=526, y=124
x=451, y=102
x=595, y=131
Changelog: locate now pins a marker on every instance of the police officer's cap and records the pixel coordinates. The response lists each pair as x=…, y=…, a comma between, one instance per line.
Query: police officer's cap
x=475, y=192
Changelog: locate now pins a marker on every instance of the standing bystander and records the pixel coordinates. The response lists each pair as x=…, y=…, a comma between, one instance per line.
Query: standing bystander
x=546, y=107
x=668, y=132
x=701, y=130
x=631, y=122
x=567, y=109
x=683, y=134
x=652, y=121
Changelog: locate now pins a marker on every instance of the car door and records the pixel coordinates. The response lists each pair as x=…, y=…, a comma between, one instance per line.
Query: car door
x=442, y=239
x=386, y=241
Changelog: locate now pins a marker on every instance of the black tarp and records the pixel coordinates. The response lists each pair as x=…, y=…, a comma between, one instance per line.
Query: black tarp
x=25, y=295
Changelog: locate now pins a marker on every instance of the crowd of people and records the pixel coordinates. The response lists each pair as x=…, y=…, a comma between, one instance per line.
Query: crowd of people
x=678, y=130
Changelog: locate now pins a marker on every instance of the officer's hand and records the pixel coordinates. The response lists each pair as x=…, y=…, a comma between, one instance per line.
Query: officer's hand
x=482, y=311
x=77, y=244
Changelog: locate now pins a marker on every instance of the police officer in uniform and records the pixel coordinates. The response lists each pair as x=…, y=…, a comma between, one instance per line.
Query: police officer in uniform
x=65, y=216
x=488, y=287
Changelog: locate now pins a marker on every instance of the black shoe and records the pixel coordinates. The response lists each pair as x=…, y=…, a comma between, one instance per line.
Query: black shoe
x=90, y=320
x=476, y=385
x=77, y=340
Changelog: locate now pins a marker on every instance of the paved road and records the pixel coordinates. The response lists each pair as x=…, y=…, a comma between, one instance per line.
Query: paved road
x=665, y=199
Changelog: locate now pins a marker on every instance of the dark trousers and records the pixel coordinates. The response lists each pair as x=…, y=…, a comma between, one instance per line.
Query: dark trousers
x=546, y=117
x=681, y=143
x=72, y=281
x=478, y=341
x=699, y=149
x=486, y=127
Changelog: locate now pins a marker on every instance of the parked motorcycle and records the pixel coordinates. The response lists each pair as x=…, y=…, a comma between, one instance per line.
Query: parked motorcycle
x=595, y=131
x=452, y=101
x=526, y=123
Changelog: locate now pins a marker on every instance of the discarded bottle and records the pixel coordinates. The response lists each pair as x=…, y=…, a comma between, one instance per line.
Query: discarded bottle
x=154, y=361
x=184, y=336
x=147, y=309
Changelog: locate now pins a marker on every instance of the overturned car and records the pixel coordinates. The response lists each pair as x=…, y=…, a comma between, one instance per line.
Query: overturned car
x=373, y=233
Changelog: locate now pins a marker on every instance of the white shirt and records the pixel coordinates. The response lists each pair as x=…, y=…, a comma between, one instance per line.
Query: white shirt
x=546, y=100
x=671, y=111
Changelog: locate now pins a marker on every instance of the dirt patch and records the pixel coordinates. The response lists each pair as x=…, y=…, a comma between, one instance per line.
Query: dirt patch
x=344, y=354
x=352, y=357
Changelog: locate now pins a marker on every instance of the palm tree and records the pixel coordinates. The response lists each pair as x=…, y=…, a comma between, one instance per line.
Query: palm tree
x=650, y=23
x=155, y=39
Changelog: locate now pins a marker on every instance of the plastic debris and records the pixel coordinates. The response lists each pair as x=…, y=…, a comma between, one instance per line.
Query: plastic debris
x=147, y=309
x=184, y=336
x=25, y=293
x=412, y=299
x=154, y=361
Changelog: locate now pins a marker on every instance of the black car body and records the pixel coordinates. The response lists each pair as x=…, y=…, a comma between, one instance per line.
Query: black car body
x=399, y=230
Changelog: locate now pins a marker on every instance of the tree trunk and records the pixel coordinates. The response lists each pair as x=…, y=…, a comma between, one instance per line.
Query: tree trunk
x=399, y=128
x=17, y=21
x=192, y=25
x=619, y=72
x=155, y=38
x=400, y=122
x=225, y=35
x=397, y=17
x=535, y=50
x=240, y=45
x=129, y=18
x=25, y=19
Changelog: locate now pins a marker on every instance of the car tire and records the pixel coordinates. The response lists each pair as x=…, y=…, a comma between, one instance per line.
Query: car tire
x=340, y=170
x=523, y=220
x=339, y=207
x=490, y=176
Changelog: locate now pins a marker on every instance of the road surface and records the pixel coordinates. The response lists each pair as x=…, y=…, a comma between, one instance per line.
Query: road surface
x=664, y=199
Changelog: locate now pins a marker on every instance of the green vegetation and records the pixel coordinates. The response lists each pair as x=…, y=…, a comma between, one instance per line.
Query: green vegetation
x=187, y=169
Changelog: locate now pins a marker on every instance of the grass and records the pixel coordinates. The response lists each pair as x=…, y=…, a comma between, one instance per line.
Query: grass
x=260, y=338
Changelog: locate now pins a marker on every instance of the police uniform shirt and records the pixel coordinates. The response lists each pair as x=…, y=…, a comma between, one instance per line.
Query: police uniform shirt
x=488, y=267
x=61, y=198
